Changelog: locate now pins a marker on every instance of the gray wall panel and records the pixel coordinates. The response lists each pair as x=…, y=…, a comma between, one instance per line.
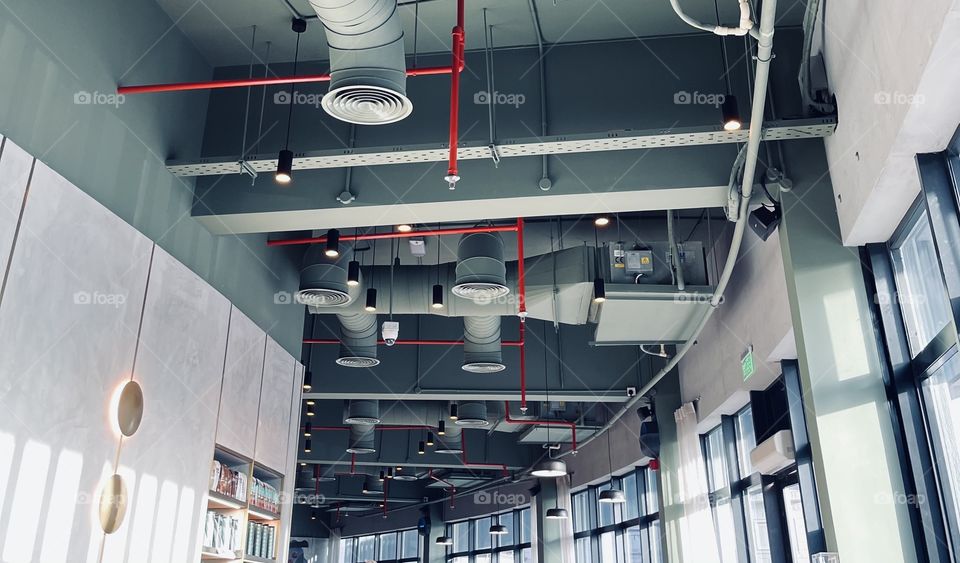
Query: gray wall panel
x=240, y=396
x=15, y=166
x=274, y=416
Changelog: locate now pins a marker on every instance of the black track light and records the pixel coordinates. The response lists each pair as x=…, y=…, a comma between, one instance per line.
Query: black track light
x=438, y=296
x=599, y=291
x=307, y=430
x=731, y=113
x=306, y=446
x=284, y=167
x=371, y=306
x=441, y=428
x=333, y=243
x=307, y=381
x=390, y=473
x=382, y=475
x=421, y=448
x=310, y=411
x=453, y=411
x=353, y=273
x=313, y=514
x=430, y=438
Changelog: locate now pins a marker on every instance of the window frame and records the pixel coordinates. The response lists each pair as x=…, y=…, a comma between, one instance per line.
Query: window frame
x=517, y=547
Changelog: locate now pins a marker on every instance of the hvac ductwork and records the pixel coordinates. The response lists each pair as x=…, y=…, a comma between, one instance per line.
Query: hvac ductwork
x=323, y=280
x=362, y=439
x=482, y=352
x=481, y=273
x=358, y=340
x=451, y=442
x=362, y=411
x=472, y=413
x=368, y=75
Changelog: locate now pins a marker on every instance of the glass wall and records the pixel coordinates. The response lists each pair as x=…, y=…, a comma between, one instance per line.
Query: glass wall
x=619, y=533
x=403, y=545
x=473, y=543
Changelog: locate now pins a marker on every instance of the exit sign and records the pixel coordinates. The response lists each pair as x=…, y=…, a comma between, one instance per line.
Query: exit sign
x=747, y=364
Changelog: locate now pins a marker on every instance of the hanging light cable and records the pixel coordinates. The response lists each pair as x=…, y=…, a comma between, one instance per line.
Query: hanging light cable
x=549, y=467
x=438, y=287
x=285, y=159
x=612, y=495
x=729, y=109
x=371, y=304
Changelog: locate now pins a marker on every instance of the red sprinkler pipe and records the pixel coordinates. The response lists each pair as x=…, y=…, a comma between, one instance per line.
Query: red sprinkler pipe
x=267, y=81
x=453, y=490
x=398, y=234
x=510, y=343
x=523, y=367
x=571, y=425
x=521, y=274
x=458, y=38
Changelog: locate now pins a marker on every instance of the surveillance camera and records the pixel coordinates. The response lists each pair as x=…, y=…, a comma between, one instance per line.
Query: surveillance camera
x=391, y=331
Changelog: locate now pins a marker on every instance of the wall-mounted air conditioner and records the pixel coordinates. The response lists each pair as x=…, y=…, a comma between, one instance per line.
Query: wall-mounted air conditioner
x=774, y=453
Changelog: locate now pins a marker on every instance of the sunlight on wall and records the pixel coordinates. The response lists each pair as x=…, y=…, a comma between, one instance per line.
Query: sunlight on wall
x=7, y=445
x=163, y=532
x=63, y=503
x=115, y=546
x=142, y=516
x=25, y=511
x=846, y=337
x=186, y=526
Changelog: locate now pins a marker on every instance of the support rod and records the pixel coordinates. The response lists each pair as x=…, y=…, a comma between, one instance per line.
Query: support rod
x=398, y=234
x=510, y=343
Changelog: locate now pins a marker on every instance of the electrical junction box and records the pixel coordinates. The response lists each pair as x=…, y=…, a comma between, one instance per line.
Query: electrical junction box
x=418, y=247
x=639, y=261
x=648, y=263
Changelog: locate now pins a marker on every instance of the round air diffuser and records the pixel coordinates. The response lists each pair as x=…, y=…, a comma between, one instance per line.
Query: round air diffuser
x=361, y=440
x=358, y=362
x=481, y=273
x=404, y=477
x=473, y=413
x=323, y=283
x=363, y=411
x=366, y=104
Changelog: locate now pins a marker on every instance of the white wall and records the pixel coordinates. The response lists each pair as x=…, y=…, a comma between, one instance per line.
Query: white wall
x=88, y=303
x=893, y=67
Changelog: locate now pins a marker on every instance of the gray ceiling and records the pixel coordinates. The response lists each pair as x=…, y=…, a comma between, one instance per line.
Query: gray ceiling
x=221, y=29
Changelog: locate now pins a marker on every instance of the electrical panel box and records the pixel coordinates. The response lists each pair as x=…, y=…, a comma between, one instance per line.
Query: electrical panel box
x=650, y=263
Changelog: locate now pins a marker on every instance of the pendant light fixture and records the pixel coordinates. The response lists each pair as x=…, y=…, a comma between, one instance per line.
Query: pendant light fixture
x=548, y=467
x=438, y=287
x=599, y=288
x=453, y=411
x=601, y=221
x=353, y=267
x=308, y=382
x=441, y=428
x=556, y=513
x=310, y=411
x=306, y=446
x=729, y=109
x=285, y=159
x=421, y=449
x=307, y=430
x=612, y=495
x=333, y=243
x=371, y=304
x=444, y=540
x=497, y=529
x=382, y=475
x=430, y=439
x=404, y=227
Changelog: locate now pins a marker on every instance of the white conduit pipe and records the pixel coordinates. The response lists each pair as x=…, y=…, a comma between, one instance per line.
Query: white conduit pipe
x=745, y=27
x=764, y=56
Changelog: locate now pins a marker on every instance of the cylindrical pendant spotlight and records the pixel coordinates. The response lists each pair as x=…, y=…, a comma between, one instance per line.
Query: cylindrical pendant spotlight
x=731, y=113
x=421, y=448
x=438, y=296
x=284, y=167
x=306, y=446
x=429, y=438
x=308, y=381
x=599, y=291
x=371, y=306
x=382, y=475
x=453, y=411
x=353, y=273
x=333, y=243
x=441, y=428
x=307, y=430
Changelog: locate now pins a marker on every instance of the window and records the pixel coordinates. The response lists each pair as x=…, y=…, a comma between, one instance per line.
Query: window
x=473, y=543
x=626, y=533
x=410, y=544
x=746, y=441
x=941, y=397
x=920, y=289
x=366, y=547
x=796, y=527
x=389, y=546
x=759, y=539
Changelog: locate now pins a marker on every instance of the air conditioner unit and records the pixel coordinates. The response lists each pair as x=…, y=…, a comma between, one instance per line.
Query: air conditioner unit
x=774, y=453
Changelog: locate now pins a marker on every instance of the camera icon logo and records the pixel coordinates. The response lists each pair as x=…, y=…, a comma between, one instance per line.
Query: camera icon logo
x=82, y=98
x=82, y=298
x=682, y=98
x=481, y=98
x=282, y=298
x=281, y=97
x=482, y=497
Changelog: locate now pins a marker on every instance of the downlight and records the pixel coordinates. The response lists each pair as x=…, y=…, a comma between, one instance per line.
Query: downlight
x=550, y=468
x=557, y=513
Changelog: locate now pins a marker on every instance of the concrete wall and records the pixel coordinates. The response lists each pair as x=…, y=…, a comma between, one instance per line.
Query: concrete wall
x=892, y=66
x=62, y=62
x=86, y=304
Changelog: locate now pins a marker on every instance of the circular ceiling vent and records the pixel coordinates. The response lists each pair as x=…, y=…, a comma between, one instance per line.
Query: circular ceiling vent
x=361, y=450
x=483, y=367
x=404, y=477
x=358, y=362
x=366, y=105
x=480, y=292
x=449, y=450
x=322, y=297
x=472, y=422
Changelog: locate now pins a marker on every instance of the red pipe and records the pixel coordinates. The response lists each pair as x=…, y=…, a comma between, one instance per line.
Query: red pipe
x=571, y=425
x=510, y=343
x=453, y=490
x=267, y=81
x=458, y=38
x=521, y=273
x=523, y=366
x=398, y=234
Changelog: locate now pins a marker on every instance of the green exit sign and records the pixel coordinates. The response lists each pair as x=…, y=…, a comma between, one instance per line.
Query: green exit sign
x=747, y=364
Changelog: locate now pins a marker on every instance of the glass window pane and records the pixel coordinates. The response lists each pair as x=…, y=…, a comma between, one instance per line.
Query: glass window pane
x=525, y=525
x=506, y=520
x=346, y=550
x=583, y=552
x=653, y=491
x=633, y=551
x=604, y=509
x=505, y=556
x=410, y=541
x=716, y=467
x=365, y=547
x=462, y=559
x=746, y=441
x=526, y=556
x=655, y=551
x=482, y=533
x=461, y=537
x=481, y=558
x=757, y=526
x=796, y=528
x=631, y=509
x=388, y=545
x=726, y=533
x=581, y=511
x=941, y=398
x=920, y=290
x=608, y=547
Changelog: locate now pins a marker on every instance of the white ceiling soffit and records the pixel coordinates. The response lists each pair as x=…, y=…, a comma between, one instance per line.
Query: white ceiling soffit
x=532, y=146
x=639, y=314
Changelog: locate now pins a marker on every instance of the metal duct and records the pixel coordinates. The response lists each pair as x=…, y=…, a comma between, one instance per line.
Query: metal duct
x=473, y=413
x=368, y=74
x=362, y=411
x=323, y=280
x=372, y=486
x=482, y=352
x=361, y=439
x=358, y=340
x=481, y=273
x=451, y=442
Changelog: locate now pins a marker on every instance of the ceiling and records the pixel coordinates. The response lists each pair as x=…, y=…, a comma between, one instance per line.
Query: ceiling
x=222, y=29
